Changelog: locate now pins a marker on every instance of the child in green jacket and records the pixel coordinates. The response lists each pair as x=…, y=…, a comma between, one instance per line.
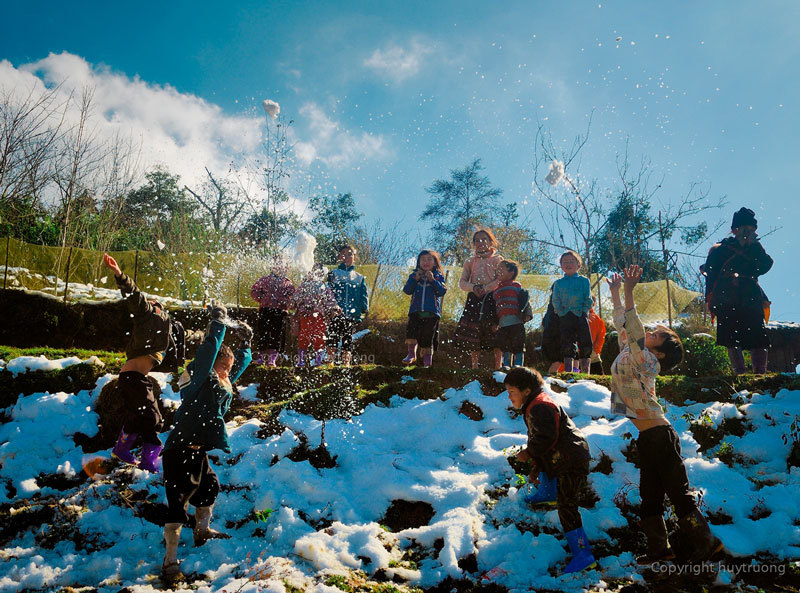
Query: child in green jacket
x=206, y=394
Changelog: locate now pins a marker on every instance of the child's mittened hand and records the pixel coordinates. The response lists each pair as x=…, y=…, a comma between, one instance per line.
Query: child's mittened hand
x=219, y=312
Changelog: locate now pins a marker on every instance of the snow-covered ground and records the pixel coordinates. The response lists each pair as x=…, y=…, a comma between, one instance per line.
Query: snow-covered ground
x=24, y=279
x=307, y=524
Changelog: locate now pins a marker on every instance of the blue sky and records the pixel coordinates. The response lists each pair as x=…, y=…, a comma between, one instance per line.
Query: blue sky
x=388, y=96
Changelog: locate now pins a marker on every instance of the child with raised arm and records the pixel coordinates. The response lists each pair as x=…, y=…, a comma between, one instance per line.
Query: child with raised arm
x=642, y=356
x=426, y=285
x=558, y=453
x=150, y=338
x=350, y=289
x=206, y=389
x=513, y=310
x=572, y=299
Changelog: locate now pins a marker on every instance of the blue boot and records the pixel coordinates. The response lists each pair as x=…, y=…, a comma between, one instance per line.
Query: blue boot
x=546, y=494
x=581, y=551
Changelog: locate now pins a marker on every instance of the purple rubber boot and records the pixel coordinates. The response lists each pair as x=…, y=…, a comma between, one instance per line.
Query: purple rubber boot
x=122, y=448
x=150, y=457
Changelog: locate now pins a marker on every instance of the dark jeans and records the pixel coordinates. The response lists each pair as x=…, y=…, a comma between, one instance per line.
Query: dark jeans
x=423, y=329
x=662, y=472
x=574, y=330
x=270, y=329
x=142, y=415
x=188, y=479
x=511, y=338
x=570, y=490
x=341, y=328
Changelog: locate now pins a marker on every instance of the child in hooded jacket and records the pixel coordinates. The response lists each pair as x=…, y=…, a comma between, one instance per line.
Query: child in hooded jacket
x=206, y=389
x=559, y=455
x=314, y=306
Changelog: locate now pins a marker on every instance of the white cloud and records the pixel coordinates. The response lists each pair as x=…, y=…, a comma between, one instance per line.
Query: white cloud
x=178, y=130
x=333, y=144
x=181, y=131
x=397, y=63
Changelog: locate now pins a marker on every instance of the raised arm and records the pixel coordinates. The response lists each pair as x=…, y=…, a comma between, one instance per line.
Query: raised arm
x=614, y=285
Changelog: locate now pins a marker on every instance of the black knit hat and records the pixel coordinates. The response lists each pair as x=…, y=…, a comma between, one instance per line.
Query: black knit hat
x=744, y=217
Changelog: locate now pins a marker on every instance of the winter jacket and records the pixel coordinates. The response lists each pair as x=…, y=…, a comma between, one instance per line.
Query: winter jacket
x=555, y=444
x=151, y=324
x=314, y=296
x=425, y=296
x=273, y=291
x=733, y=293
x=732, y=272
x=597, y=327
x=512, y=302
x=572, y=294
x=480, y=270
x=350, y=290
x=199, y=420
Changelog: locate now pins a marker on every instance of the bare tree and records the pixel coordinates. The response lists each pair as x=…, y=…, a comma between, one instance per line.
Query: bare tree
x=570, y=208
x=613, y=226
x=222, y=200
x=30, y=128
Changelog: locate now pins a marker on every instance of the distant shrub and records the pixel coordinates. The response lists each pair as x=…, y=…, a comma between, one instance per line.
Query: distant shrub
x=703, y=358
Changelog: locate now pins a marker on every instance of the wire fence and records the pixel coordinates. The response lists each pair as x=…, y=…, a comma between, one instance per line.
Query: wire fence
x=191, y=279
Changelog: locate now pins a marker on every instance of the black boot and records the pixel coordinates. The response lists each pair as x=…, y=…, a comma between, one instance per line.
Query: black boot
x=701, y=544
x=658, y=548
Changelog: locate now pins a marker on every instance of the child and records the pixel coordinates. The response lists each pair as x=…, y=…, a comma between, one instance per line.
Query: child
x=150, y=338
x=273, y=293
x=633, y=393
x=206, y=389
x=314, y=304
x=513, y=310
x=477, y=327
x=557, y=449
x=733, y=294
x=426, y=285
x=597, y=328
x=572, y=299
x=350, y=290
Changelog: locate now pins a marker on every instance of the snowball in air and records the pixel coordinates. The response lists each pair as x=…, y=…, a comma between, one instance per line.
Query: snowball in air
x=160, y=244
x=556, y=173
x=271, y=107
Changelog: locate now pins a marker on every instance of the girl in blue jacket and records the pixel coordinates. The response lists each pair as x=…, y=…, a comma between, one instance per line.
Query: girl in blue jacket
x=206, y=394
x=426, y=285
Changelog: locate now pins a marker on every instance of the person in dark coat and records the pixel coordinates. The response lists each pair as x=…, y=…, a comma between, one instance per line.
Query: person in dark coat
x=206, y=389
x=557, y=449
x=149, y=340
x=733, y=294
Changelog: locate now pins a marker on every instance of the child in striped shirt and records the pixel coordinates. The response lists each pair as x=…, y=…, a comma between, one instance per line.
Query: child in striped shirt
x=513, y=310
